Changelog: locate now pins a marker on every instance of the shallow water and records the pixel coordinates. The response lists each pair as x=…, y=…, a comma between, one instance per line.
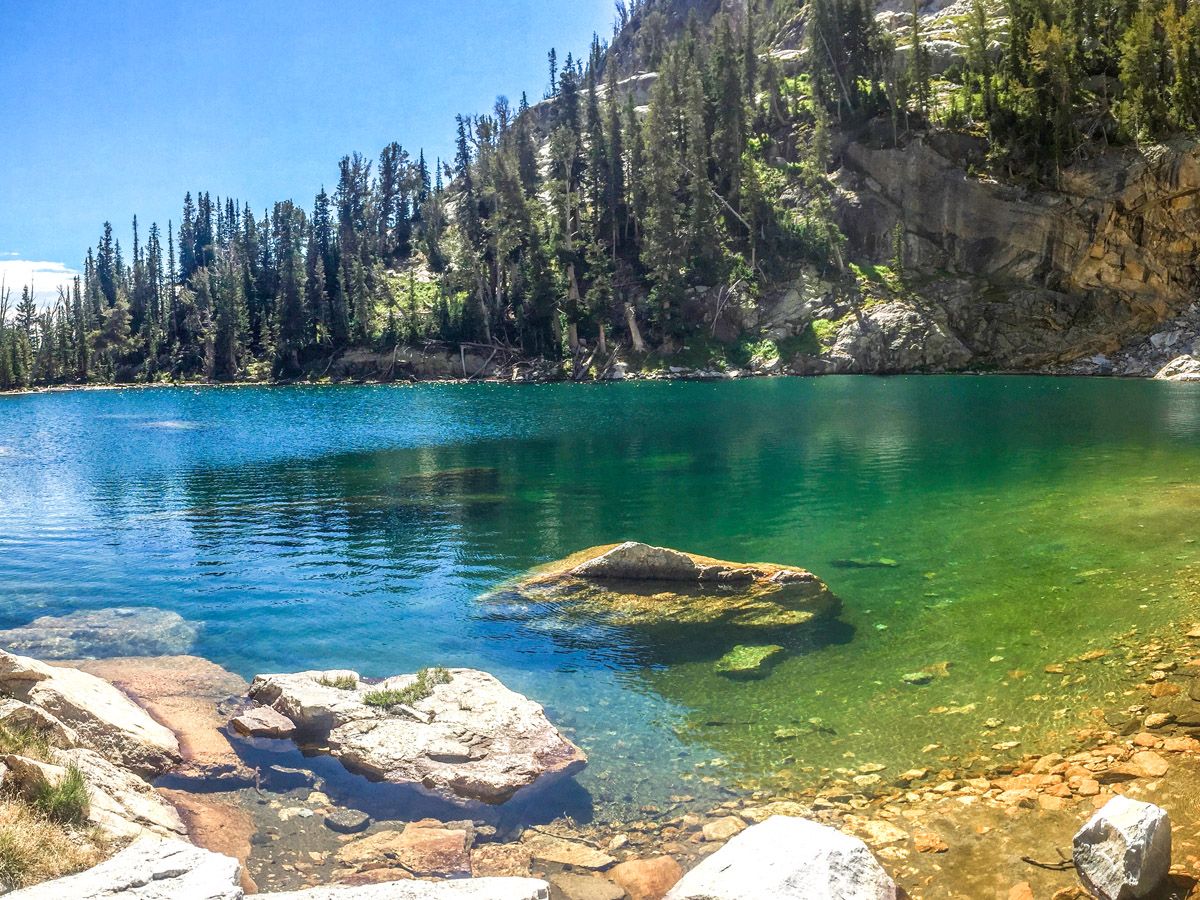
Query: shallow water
x=1031, y=520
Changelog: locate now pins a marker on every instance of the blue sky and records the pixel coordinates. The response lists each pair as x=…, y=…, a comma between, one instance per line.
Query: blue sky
x=119, y=107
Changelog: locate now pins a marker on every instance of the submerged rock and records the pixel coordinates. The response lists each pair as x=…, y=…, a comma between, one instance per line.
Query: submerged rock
x=640, y=585
x=1124, y=850
x=120, y=631
x=100, y=716
x=425, y=849
x=748, y=662
x=150, y=869
x=786, y=858
x=469, y=737
x=857, y=563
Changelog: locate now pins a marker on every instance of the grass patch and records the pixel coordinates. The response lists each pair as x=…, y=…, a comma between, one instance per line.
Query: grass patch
x=427, y=680
x=65, y=802
x=30, y=742
x=824, y=330
x=341, y=682
x=33, y=848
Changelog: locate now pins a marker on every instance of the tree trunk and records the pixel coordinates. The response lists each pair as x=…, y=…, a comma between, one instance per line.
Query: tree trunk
x=635, y=336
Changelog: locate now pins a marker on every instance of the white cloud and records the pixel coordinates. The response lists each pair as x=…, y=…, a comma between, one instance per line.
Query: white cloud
x=46, y=277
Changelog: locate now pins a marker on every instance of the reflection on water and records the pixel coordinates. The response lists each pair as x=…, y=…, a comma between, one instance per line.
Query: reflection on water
x=992, y=525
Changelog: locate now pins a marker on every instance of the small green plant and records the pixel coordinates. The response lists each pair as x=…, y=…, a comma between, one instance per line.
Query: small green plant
x=341, y=682
x=427, y=680
x=65, y=802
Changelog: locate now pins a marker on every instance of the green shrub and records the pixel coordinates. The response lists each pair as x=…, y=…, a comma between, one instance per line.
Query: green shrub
x=65, y=802
x=427, y=680
x=342, y=682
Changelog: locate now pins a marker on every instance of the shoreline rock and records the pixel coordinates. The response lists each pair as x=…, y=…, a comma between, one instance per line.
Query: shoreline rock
x=1124, y=851
x=786, y=857
x=470, y=738
x=100, y=716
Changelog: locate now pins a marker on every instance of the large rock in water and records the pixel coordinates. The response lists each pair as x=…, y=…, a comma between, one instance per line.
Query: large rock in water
x=470, y=738
x=100, y=716
x=1124, y=850
x=150, y=869
x=637, y=584
x=787, y=858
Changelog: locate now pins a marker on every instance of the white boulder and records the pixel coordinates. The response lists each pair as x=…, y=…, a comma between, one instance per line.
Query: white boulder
x=100, y=716
x=1181, y=368
x=150, y=869
x=1124, y=850
x=787, y=858
x=469, y=738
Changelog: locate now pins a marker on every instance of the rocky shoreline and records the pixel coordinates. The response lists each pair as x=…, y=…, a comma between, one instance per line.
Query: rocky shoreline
x=915, y=823
x=1141, y=359
x=266, y=778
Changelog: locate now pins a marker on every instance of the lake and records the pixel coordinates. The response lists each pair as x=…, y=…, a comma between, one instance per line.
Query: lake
x=980, y=528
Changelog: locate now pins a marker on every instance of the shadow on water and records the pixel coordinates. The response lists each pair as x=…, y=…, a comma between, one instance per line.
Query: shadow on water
x=284, y=767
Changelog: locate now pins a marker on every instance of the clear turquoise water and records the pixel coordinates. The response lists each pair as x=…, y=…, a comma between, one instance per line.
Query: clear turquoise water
x=358, y=527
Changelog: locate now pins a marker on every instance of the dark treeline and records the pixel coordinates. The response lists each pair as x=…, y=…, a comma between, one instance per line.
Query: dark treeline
x=586, y=222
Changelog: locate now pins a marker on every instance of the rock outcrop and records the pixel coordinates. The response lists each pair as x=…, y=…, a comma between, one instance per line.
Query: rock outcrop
x=1025, y=279
x=120, y=804
x=787, y=858
x=150, y=869
x=100, y=717
x=154, y=869
x=637, y=584
x=1124, y=850
x=468, y=738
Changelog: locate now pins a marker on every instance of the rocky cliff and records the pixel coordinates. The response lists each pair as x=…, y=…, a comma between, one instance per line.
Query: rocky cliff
x=997, y=276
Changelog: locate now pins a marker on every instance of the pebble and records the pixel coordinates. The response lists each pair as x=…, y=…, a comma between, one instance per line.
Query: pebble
x=347, y=821
x=928, y=842
x=722, y=829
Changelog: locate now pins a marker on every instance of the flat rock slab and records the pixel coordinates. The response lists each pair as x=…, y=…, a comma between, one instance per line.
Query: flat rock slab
x=470, y=738
x=421, y=849
x=636, y=584
x=150, y=869
x=120, y=631
x=101, y=717
x=184, y=694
